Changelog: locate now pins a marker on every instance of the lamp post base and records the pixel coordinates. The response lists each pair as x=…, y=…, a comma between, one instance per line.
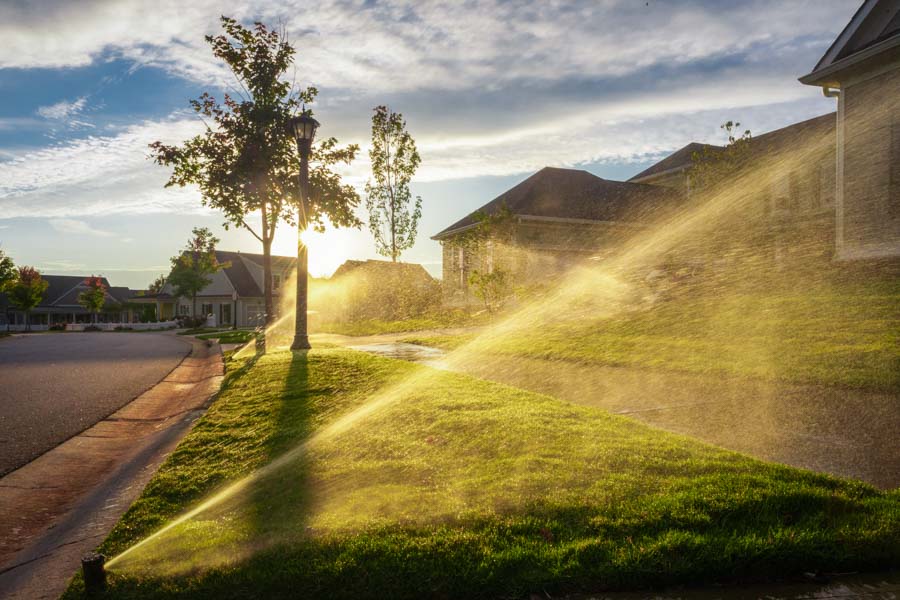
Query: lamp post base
x=301, y=342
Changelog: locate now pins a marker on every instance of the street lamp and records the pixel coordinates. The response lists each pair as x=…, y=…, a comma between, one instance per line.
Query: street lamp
x=303, y=127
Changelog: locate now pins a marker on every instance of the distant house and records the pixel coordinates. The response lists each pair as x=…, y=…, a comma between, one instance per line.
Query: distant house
x=375, y=289
x=560, y=217
x=862, y=69
x=60, y=304
x=235, y=292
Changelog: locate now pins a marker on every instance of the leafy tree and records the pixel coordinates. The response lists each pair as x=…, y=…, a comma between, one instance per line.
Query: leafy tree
x=157, y=285
x=715, y=166
x=94, y=298
x=394, y=161
x=245, y=162
x=490, y=282
x=191, y=270
x=493, y=287
x=26, y=291
x=7, y=276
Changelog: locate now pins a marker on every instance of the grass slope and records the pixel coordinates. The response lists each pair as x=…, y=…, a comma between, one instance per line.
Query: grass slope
x=834, y=333
x=465, y=488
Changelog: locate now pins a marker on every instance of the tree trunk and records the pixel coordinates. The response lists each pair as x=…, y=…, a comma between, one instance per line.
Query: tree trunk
x=267, y=281
x=194, y=305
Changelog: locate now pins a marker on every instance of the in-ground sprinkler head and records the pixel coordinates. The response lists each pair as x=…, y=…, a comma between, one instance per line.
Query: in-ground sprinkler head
x=94, y=572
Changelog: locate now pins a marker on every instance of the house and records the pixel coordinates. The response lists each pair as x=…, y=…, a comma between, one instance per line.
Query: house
x=374, y=289
x=560, y=217
x=839, y=198
x=60, y=304
x=235, y=291
x=862, y=70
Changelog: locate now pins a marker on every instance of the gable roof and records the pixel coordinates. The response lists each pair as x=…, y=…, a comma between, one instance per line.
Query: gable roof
x=680, y=159
x=873, y=29
x=383, y=269
x=63, y=291
x=778, y=139
x=240, y=276
x=554, y=193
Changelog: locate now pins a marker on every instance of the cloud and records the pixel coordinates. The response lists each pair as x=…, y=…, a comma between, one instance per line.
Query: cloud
x=62, y=110
x=393, y=45
x=76, y=227
x=97, y=175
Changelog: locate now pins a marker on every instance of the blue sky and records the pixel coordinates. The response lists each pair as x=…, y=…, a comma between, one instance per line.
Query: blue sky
x=492, y=91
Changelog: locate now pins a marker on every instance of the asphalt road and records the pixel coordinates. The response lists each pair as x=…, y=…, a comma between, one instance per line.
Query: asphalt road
x=54, y=386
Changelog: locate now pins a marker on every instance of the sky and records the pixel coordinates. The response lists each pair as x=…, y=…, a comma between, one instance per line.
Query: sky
x=491, y=90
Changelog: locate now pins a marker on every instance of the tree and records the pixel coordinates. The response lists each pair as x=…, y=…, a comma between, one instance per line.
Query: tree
x=245, y=162
x=191, y=270
x=394, y=161
x=157, y=285
x=716, y=166
x=94, y=298
x=7, y=276
x=491, y=283
x=26, y=291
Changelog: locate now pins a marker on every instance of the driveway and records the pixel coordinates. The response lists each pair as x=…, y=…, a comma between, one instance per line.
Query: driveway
x=54, y=386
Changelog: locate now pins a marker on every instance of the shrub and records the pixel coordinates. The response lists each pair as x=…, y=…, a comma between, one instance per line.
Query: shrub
x=92, y=328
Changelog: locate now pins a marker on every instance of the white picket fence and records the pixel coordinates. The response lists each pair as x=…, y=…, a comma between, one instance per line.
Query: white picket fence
x=102, y=326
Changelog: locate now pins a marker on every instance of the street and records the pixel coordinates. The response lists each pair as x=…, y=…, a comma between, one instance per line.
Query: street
x=53, y=386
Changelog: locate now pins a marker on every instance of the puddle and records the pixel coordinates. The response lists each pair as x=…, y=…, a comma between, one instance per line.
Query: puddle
x=432, y=357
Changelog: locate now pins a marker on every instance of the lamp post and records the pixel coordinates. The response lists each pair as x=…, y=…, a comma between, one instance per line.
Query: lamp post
x=304, y=130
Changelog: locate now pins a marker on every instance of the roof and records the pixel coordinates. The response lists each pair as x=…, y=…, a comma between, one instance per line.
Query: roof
x=680, y=159
x=873, y=30
x=64, y=290
x=382, y=268
x=239, y=275
x=554, y=193
x=766, y=142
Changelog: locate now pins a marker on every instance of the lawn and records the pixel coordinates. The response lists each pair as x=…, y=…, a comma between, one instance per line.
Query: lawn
x=231, y=336
x=436, y=320
x=389, y=479
x=830, y=332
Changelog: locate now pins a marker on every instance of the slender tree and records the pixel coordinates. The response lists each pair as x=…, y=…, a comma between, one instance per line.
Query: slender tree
x=157, y=285
x=7, y=276
x=245, y=162
x=26, y=291
x=394, y=161
x=94, y=298
x=192, y=269
x=716, y=166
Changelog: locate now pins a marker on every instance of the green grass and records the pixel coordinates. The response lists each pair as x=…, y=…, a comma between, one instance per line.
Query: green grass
x=438, y=320
x=233, y=336
x=462, y=488
x=835, y=333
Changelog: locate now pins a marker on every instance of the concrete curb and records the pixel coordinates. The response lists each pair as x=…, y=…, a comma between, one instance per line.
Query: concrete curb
x=64, y=503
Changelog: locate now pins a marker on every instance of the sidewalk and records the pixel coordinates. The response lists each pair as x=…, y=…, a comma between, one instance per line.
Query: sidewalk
x=64, y=503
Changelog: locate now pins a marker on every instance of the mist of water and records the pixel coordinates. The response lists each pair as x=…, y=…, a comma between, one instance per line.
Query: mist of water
x=591, y=293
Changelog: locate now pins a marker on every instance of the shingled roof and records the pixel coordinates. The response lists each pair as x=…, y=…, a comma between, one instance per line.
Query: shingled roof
x=680, y=159
x=554, y=193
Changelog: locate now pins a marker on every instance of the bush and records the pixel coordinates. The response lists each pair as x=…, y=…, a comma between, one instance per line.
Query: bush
x=57, y=327
x=191, y=322
x=92, y=328
x=124, y=328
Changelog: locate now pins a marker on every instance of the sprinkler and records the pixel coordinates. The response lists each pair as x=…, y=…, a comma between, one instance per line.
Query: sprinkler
x=92, y=568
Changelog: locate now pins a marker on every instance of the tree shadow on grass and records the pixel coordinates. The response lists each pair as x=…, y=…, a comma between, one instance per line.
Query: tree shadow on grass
x=279, y=501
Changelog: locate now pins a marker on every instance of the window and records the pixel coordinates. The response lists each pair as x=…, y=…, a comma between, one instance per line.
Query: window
x=276, y=282
x=461, y=264
x=184, y=310
x=206, y=309
x=489, y=257
x=225, y=313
